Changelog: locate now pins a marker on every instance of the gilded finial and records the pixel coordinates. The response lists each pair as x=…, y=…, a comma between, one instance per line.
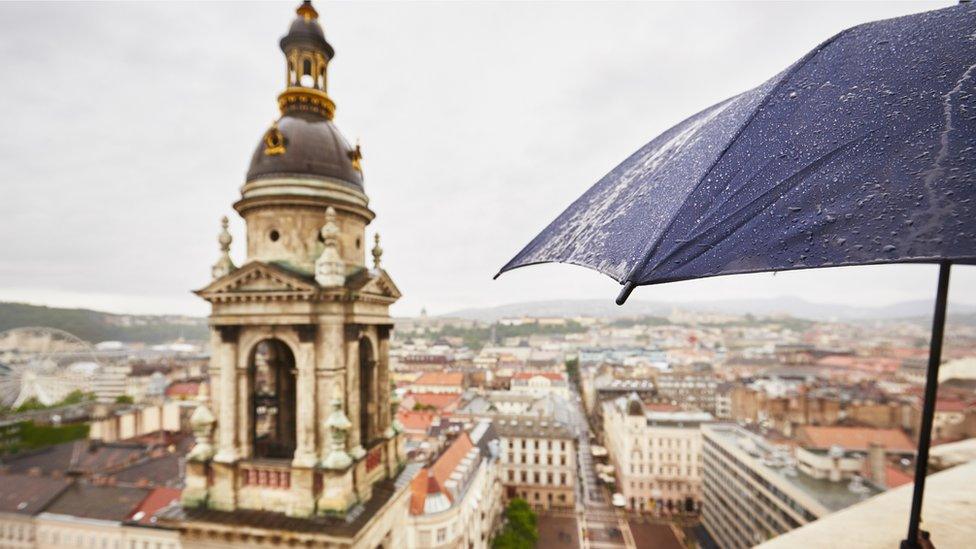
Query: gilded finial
x=307, y=11
x=377, y=251
x=224, y=265
x=356, y=155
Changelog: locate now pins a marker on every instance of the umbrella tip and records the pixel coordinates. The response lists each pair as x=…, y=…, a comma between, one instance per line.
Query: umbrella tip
x=625, y=292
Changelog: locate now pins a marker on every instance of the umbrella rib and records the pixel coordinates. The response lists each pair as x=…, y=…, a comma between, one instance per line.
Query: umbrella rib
x=629, y=284
x=785, y=184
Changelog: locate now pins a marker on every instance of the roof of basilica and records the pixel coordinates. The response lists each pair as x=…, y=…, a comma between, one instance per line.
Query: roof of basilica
x=313, y=147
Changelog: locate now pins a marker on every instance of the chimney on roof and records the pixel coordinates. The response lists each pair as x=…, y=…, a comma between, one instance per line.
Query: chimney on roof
x=877, y=464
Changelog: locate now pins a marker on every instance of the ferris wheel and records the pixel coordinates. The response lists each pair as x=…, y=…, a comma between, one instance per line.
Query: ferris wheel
x=45, y=364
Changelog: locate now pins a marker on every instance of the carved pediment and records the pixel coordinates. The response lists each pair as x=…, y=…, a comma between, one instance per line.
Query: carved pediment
x=375, y=283
x=258, y=280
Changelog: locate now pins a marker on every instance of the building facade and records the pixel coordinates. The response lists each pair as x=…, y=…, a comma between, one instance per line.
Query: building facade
x=755, y=490
x=538, y=461
x=296, y=442
x=657, y=455
x=457, y=500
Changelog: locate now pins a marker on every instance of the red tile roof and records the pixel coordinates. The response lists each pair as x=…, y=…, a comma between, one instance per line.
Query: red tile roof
x=448, y=461
x=854, y=438
x=441, y=401
x=950, y=405
x=183, y=389
x=895, y=477
x=440, y=378
x=415, y=421
x=419, y=488
x=431, y=480
x=156, y=500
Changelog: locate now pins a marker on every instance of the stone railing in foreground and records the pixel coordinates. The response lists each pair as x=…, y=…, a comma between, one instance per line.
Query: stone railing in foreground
x=882, y=521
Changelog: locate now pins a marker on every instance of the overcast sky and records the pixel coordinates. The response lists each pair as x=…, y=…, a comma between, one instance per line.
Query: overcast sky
x=127, y=130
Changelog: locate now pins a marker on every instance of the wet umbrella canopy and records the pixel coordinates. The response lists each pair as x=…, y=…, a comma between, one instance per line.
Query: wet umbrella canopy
x=862, y=152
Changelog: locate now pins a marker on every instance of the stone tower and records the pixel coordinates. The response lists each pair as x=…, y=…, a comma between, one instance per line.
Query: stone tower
x=299, y=421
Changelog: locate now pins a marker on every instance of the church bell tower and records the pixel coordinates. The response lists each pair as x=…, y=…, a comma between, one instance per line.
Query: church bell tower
x=299, y=421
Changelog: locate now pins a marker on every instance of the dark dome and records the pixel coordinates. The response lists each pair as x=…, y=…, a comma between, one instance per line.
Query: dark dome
x=306, y=32
x=313, y=147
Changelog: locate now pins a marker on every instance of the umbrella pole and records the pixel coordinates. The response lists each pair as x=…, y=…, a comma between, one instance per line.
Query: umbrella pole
x=928, y=405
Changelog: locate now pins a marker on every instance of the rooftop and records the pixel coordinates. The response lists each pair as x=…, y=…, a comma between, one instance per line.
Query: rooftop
x=100, y=502
x=854, y=438
x=28, y=495
x=831, y=496
x=531, y=427
x=440, y=378
x=332, y=526
x=428, y=489
x=882, y=521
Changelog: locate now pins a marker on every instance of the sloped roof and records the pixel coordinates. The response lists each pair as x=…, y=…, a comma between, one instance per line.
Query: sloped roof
x=449, y=460
x=160, y=471
x=157, y=499
x=440, y=378
x=415, y=421
x=437, y=400
x=431, y=480
x=183, y=389
x=81, y=455
x=854, y=438
x=553, y=376
x=98, y=502
x=28, y=495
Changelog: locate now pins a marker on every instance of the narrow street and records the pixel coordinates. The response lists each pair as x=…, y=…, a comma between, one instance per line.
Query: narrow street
x=600, y=526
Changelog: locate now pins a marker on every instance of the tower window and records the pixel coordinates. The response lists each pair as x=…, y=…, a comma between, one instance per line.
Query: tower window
x=359, y=244
x=274, y=235
x=307, y=79
x=271, y=376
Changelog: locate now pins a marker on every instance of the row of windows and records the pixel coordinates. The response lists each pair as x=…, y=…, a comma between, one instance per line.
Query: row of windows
x=779, y=494
x=70, y=538
x=536, y=444
x=720, y=474
x=16, y=532
x=537, y=477
x=664, y=486
x=693, y=471
x=536, y=459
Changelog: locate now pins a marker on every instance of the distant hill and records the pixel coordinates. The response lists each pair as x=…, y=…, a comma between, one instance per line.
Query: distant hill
x=791, y=306
x=95, y=326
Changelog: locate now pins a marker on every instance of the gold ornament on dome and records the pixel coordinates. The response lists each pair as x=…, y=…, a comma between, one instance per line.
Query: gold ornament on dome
x=356, y=155
x=274, y=141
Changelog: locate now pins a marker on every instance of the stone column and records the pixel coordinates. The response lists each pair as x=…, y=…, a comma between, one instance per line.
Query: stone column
x=305, y=423
x=384, y=425
x=225, y=356
x=244, y=395
x=330, y=363
x=352, y=390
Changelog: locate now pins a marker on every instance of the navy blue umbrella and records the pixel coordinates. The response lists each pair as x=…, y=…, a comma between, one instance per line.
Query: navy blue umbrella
x=862, y=152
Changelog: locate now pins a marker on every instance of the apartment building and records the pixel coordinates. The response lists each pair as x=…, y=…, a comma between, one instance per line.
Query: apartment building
x=656, y=450
x=457, y=500
x=754, y=490
x=538, y=461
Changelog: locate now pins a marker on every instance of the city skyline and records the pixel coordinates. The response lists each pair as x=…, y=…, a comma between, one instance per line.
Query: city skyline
x=468, y=150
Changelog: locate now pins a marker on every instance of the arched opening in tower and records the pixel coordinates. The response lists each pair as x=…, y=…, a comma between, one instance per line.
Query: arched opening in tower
x=272, y=371
x=367, y=393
